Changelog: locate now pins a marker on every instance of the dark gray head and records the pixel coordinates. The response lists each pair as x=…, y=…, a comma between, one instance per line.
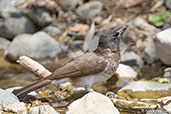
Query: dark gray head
x=111, y=39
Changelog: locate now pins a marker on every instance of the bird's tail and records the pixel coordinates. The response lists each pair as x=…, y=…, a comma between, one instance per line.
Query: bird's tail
x=32, y=87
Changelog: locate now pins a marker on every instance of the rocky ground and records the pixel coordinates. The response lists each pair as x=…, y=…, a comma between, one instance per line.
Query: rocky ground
x=54, y=32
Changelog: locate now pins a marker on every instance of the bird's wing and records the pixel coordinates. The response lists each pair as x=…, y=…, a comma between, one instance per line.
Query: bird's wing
x=87, y=64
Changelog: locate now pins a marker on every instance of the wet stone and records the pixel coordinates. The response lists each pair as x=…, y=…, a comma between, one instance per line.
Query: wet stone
x=145, y=89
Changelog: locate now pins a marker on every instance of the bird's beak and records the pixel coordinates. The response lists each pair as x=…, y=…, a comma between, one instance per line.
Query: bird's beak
x=121, y=30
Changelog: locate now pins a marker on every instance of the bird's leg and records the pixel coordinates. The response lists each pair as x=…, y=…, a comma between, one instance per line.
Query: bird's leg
x=88, y=88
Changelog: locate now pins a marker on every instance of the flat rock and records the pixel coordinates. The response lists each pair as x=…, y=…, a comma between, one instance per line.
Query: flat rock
x=145, y=89
x=126, y=71
x=42, y=109
x=40, y=16
x=52, y=30
x=163, y=46
x=92, y=103
x=13, y=26
x=39, y=45
x=89, y=9
x=131, y=58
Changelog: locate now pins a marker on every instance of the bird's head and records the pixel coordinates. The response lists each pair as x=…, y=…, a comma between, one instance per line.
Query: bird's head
x=111, y=39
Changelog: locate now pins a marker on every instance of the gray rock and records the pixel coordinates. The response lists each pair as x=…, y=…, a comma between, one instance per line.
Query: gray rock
x=13, y=26
x=7, y=98
x=68, y=4
x=145, y=89
x=163, y=46
x=126, y=71
x=76, y=44
x=92, y=103
x=7, y=7
x=40, y=16
x=150, y=54
x=89, y=9
x=3, y=43
x=39, y=45
x=139, y=29
x=54, y=31
x=168, y=4
x=130, y=58
x=42, y=109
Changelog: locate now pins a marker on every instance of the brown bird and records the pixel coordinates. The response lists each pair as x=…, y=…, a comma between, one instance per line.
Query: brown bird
x=88, y=69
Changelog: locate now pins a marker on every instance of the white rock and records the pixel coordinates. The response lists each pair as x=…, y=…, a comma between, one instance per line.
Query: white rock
x=163, y=45
x=7, y=98
x=126, y=71
x=18, y=107
x=11, y=103
x=92, y=103
x=42, y=109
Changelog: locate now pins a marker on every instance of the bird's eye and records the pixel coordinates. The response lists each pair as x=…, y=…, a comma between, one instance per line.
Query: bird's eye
x=117, y=34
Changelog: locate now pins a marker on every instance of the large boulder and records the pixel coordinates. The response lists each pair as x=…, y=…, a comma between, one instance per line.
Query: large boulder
x=39, y=46
x=13, y=26
x=163, y=46
x=92, y=103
